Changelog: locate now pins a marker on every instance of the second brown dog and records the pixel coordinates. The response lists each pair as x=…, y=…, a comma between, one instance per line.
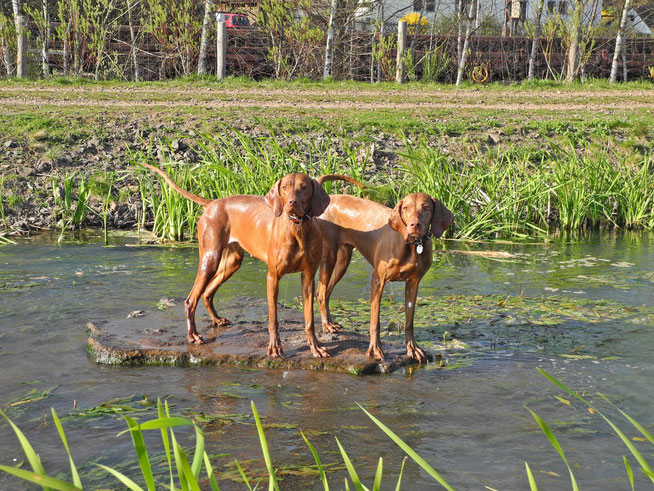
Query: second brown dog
x=395, y=241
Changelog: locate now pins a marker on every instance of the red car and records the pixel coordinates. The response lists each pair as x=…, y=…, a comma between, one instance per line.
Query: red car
x=234, y=20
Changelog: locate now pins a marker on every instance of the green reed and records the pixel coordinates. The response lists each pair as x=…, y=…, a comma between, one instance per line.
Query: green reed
x=520, y=193
x=2, y=202
x=227, y=164
x=71, y=200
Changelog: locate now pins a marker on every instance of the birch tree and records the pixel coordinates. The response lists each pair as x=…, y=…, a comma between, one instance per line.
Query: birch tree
x=329, y=45
x=132, y=38
x=204, y=40
x=575, y=41
x=470, y=18
x=536, y=41
x=619, y=42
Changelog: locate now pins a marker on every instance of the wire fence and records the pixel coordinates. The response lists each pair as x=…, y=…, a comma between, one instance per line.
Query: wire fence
x=358, y=55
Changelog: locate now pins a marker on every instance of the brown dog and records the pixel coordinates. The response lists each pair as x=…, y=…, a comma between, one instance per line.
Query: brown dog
x=396, y=242
x=279, y=229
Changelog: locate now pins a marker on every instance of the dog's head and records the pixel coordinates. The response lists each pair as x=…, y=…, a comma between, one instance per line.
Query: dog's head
x=297, y=195
x=413, y=215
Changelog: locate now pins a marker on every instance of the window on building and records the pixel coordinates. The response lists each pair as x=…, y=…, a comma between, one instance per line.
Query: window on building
x=424, y=5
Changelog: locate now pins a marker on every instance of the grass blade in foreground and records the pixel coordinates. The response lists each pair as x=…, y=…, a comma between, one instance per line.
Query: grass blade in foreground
x=630, y=473
x=550, y=436
x=40, y=479
x=399, y=478
x=73, y=469
x=530, y=476
x=141, y=452
x=378, y=476
x=323, y=477
x=31, y=455
x=210, y=474
x=129, y=484
x=351, y=470
x=409, y=451
x=264, y=448
x=641, y=460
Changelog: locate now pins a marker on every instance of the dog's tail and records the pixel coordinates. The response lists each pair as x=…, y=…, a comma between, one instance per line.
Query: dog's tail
x=339, y=177
x=187, y=194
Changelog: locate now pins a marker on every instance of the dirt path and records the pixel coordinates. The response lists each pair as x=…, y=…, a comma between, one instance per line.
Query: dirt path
x=312, y=98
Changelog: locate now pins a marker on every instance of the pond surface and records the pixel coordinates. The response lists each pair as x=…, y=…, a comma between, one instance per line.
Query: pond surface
x=580, y=309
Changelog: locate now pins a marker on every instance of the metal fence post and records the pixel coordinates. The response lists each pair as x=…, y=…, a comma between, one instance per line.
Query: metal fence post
x=221, y=47
x=401, y=48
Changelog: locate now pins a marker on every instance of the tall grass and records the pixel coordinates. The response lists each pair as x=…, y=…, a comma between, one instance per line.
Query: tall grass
x=519, y=193
x=71, y=200
x=229, y=163
x=514, y=192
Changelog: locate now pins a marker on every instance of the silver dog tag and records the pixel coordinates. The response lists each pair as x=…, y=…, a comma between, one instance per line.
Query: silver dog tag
x=419, y=248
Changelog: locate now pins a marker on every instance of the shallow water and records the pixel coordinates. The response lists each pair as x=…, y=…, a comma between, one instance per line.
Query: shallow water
x=581, y=309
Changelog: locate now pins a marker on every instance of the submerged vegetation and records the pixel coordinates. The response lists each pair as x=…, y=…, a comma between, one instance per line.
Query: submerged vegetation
x=183, y=472
x=508, y=193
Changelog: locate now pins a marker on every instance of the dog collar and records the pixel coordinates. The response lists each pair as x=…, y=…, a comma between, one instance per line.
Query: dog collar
x=420, y=241
x=299, y=220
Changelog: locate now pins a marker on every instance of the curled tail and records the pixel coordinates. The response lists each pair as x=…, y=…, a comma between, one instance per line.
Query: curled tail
x=187, y=194
x=339, y=177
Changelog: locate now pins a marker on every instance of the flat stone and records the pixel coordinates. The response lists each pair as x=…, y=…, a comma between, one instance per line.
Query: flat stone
x=159, y=337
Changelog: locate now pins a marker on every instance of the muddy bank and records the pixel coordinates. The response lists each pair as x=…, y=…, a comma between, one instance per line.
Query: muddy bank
x=158, y=337
x=32, y=176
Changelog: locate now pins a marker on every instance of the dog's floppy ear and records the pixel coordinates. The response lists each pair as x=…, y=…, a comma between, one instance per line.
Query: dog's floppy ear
x=274, y=199
x=396, y=221
x=441, y=219
x=320, y=199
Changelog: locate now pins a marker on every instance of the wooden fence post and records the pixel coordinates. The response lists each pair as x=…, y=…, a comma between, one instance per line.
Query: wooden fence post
x=401, y=48
x=221, y=47
x=21, y=50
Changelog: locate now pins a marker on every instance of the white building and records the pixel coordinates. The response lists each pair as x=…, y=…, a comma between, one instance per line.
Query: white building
x=390, y=11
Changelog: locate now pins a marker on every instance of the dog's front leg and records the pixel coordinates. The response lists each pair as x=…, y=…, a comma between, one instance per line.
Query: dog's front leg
x=275, y=344
x=376, y=289
x=308, y=287
x=410, y=295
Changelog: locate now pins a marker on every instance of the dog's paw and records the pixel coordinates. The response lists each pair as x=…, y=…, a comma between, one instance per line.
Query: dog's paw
x=319, y=352
x=375, y=351
x=415, y=352
x=275, y=350
x=195, y=338
x=331, y=327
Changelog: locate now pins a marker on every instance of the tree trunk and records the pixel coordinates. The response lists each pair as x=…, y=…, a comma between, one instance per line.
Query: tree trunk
x=535, y=41
x=329, y=47
x=459, y=32
x=132, y=39
x=619, y=41
x=464, y=52
x=16, y=6
x=204, y=40
x=575, y=40
x=45, y=66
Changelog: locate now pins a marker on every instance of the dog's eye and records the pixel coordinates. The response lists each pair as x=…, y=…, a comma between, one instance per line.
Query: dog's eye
x=283, y=187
